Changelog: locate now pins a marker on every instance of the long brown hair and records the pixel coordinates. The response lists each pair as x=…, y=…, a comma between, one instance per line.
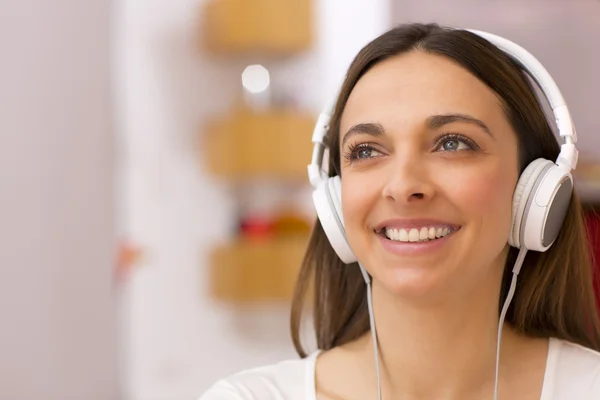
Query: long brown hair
x=555, y=294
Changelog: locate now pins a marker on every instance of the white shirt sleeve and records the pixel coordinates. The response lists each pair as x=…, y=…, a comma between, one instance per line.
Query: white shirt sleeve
x=223, y=390
x=287, y=380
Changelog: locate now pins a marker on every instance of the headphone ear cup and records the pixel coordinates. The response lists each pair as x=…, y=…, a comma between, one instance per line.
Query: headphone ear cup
x=540, y=204
x=522, y=192
x=335, y=189
x=327, y=201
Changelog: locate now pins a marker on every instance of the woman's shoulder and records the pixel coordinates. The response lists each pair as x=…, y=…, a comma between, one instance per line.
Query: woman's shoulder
x=571, y=366
x=290, y=379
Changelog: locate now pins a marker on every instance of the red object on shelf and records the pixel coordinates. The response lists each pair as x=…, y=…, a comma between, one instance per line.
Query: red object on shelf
x=256, y=227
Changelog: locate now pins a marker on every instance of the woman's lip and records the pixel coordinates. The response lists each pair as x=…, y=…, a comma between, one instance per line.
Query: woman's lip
x=414, y=248
x=414, y=223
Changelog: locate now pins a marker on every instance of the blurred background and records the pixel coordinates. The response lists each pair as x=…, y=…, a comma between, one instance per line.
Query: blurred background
x=155, y=205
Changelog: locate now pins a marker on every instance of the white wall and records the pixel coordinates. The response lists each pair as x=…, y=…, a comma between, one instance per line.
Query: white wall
x=58, y=329
x=563, y=35
x=177, y=341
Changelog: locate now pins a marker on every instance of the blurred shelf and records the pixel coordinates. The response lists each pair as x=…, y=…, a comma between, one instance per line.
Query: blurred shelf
x=587, y=179
x=253, y=270
x=588, y=191
x=246, y=145
x=274, y=144
x=269, y=26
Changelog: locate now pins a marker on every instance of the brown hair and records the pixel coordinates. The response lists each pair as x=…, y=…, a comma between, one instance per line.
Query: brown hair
x=555, y=294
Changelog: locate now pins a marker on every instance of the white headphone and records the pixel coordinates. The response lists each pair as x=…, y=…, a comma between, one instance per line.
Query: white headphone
x=542, y=194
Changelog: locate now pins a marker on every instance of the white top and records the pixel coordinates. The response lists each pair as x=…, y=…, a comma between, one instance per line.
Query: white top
x=572, y=373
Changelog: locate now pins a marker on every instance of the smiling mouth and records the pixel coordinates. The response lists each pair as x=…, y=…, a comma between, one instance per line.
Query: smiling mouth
x=417, y=235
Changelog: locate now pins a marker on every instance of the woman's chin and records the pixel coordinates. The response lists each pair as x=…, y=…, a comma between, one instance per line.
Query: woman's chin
x=414, y=284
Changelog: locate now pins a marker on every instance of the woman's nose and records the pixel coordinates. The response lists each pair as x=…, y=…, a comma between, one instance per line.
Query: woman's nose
x=408, y=181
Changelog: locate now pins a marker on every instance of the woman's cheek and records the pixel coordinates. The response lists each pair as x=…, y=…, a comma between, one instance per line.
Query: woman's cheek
x=486, y=192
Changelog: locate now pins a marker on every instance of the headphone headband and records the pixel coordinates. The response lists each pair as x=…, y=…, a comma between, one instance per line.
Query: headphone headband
x=567, y=159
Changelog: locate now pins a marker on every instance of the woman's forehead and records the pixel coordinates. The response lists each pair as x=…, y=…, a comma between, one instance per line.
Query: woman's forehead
x=417, y=85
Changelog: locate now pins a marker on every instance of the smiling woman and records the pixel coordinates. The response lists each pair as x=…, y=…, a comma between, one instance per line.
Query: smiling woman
x=441, y=161
x=433, y=164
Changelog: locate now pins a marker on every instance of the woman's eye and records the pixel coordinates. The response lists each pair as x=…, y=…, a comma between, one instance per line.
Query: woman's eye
x=367, y=152
x=455, y=144
x=362, y=152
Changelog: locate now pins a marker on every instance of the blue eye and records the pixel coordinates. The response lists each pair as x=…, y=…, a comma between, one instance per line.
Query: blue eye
x=455, y=142
x=366, y=152
x=454, y=145
x=363, y=151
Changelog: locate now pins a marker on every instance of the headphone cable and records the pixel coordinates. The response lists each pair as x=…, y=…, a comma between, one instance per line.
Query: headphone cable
x=509, y=297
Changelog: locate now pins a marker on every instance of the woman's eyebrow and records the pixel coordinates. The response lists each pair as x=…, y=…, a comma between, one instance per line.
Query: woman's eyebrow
x=437, y=121
x=366, y=128
x=434, y=122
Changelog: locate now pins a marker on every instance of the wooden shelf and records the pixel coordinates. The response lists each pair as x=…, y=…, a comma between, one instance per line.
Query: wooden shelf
x=257, y=270
x=271, y=26
x=589, y=191
x=275, y=144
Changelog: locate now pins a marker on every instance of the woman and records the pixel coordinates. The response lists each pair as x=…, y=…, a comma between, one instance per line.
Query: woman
x=430, y=133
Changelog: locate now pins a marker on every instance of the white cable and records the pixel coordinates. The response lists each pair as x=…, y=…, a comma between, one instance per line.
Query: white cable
x=373, y=332
x=374, y=336
x=509, y=297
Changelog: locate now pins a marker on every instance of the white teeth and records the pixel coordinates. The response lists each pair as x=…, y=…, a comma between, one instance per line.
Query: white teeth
x=403, y=235
x=431, y=233
x=413, y=235
x=416, y=235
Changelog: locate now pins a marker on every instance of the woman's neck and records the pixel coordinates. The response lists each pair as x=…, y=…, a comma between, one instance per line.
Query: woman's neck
x=444, y=350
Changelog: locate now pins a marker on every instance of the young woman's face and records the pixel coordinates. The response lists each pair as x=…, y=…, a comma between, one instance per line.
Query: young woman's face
x=429, y=165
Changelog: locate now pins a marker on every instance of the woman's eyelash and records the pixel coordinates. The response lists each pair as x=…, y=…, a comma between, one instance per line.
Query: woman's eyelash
x=456, y=136
x=352, y=153
x=353, y=149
